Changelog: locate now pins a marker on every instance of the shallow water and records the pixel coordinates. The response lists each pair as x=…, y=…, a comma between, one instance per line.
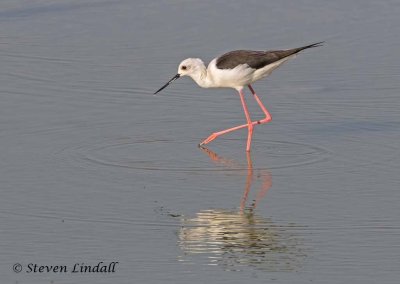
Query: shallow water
x=93, y=167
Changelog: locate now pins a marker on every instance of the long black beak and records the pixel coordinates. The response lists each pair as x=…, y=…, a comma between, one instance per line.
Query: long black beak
x=169, y=82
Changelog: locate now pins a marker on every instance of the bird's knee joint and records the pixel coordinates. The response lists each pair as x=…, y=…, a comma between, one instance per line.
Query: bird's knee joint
x=267, y=119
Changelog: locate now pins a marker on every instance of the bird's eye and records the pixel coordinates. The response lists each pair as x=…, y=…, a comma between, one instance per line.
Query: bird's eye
x=183, y=67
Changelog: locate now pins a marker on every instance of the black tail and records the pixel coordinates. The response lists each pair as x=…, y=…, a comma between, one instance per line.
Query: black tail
x=279, y=54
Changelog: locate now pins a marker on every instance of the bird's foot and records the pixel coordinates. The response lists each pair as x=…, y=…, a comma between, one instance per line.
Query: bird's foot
x=209, y=139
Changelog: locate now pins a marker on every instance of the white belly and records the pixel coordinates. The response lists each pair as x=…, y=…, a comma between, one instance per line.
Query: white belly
x=241, y=75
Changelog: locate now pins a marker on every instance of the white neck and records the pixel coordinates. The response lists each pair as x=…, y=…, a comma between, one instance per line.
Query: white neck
x=201, y=77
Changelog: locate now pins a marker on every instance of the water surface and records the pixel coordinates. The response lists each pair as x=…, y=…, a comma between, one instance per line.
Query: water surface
x=93, y=167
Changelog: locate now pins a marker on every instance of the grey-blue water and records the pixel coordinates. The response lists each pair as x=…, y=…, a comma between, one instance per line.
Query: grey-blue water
x=94, y=168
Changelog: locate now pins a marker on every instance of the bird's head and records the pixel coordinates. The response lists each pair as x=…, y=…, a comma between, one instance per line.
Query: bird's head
x=188, y=67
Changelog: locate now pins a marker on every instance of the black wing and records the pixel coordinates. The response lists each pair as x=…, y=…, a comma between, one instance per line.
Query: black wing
x=257, y=59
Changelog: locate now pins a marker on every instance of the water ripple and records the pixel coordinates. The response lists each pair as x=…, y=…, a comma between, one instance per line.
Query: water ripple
x=161, y=155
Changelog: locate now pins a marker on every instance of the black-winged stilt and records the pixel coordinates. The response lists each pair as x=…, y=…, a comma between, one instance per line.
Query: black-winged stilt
x=237, y=69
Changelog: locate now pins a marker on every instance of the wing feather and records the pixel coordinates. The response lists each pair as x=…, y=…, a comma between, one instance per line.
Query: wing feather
x=257, y=59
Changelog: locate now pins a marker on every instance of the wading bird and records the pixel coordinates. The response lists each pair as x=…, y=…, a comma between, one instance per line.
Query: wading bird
x=237, y=69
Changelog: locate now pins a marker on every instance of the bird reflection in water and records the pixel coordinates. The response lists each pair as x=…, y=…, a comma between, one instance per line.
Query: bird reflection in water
x=262, y=174
x=238, y=239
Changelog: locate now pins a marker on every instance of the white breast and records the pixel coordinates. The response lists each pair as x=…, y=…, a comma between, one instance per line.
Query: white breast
x=241, y=75
x=230, y=78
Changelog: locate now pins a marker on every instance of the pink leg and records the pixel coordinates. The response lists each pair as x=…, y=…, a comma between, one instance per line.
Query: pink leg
x=268, y=116
x=267, y=119
x=249, y=123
